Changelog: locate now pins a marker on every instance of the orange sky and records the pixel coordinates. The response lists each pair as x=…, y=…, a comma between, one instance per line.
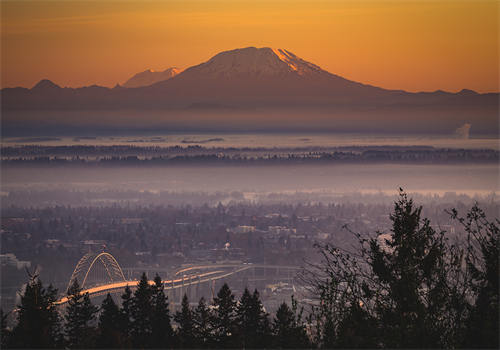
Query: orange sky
x=411, y=45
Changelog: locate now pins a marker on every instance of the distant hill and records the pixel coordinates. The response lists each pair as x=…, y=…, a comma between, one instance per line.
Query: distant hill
x=150, y=77
x=256, y=81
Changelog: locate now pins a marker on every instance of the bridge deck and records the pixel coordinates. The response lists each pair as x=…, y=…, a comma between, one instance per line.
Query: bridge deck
x=186, y=280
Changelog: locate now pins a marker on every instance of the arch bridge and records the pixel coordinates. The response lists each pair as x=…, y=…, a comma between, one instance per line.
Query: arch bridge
x=105, y=267
x=102, y=264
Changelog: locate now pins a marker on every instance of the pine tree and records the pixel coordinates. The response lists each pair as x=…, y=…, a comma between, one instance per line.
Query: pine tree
x=252, y=324
x=263, y=325
x=223, y=318
x=161, y=328
x=411, y=280
x=401, y=288
x=202, y=327
x=5, y=333
x=185, y=320
x=38, y=323
x=110, y=333
x=283, y=326
x=288, y=330
x=80, y=313
x=126, y=316
x=357, y=330
x=141, y=312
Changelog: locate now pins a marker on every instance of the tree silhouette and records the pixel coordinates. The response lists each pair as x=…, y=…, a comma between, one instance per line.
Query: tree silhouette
x=141, y=311
x=161, y=328
x=406, y=288
x=5, y=333
x=357, y=329
x=482, y=261
x=202, y=327
x=38, y=323
x=410, y=275
x=110, y=333
x=79, y=315
x=287, y=328
x=253, y=329
x=222, y=320
x=186, y=329
x=126, y=315
x=398, y=284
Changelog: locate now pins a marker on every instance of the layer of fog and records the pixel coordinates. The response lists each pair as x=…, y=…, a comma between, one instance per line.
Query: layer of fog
x=257, y=182
x=395, y=120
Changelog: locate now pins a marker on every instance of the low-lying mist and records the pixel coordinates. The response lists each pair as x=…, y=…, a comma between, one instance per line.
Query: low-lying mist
x=257, y=183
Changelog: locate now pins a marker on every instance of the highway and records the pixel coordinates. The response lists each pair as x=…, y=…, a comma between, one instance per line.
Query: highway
x=175, y=283
x=169, y=284
x=255, y=266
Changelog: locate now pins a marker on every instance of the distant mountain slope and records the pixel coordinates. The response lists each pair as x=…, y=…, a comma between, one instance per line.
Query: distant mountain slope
x=265, y=75
x=149, y=77
x=259, y=80
x=248, y=78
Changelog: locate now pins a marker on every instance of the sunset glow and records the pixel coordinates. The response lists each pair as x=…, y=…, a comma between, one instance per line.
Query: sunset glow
x=430, y=45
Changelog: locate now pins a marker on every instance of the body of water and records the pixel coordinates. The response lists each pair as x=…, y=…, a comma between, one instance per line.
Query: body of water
x=267, y=140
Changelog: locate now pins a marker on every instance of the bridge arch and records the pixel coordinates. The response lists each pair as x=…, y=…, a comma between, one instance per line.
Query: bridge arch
x=89, y=261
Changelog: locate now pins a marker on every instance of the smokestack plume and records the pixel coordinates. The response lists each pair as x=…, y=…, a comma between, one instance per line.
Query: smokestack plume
x=463, y=131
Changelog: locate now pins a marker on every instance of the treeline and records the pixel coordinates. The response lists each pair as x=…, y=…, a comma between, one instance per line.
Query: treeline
x=144, y=321
x=412, y=287
x=371, y=156
x=126, y=150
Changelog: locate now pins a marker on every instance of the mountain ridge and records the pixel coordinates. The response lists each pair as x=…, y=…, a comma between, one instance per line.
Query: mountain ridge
x=283, y=55
x=257, y=81
x=149, y=77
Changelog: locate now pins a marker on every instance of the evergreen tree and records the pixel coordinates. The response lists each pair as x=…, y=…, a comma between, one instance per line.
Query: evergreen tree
x=110, y=333
x=482, y=259
x=288, y=330
x=410, y=275
x=264, y=331
x=223, y=318
x=141, y=312
x=79, y=316
x=399, y=285
x=202, y=328
x=253, y=330
x=357, y=330
x=38, y=323
x=5, y=333
x=185, y=320
x=126, y=316
x=283, y=326
x=161, y=328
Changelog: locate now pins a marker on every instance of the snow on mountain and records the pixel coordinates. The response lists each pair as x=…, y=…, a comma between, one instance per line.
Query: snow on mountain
x=149, y=77
x=256, y=62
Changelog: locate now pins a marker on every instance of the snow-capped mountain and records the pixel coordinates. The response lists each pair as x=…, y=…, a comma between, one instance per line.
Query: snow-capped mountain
x=149, y=77
x=257, y=81
x=257, y=62
x=273, y=75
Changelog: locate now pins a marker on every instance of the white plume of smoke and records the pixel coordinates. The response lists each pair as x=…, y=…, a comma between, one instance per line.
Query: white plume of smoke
x=463, y=131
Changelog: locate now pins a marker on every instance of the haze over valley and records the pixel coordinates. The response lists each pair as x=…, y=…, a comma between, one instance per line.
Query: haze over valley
x=220, y=174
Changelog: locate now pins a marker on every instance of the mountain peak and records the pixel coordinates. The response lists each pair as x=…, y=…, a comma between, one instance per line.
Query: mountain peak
x=467, y=92
x=45, y=84
x=258, y=62
x=150, y=77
